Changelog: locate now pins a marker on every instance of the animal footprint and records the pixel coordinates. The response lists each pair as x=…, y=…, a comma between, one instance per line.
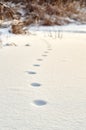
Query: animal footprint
x=49, y=49
x=39, y=59
x=27, y=45
x=46, y=52
x=37, y=65
x=35, y=84
x=39, y=102
x=31, y=72
x=44, y=55
x=10, y=44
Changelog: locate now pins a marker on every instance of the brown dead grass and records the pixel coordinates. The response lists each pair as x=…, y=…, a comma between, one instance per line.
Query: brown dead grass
x=17, y=28
x=55, y=14
x=44, y=13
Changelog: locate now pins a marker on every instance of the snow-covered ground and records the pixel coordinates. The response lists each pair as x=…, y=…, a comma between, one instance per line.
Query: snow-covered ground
x=67, y=28
x=43, y=81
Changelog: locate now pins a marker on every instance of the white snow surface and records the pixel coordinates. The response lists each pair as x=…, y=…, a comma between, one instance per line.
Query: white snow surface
x=61, y=75
x=65, y=28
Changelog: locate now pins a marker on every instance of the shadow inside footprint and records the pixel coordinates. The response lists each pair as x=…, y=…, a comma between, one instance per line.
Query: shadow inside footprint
x=49, y=49
x=35, y=84
x=31, y=72
x=39, y=59
x=44, y=55
x=37, y=65
x=40, y=102
x=27, y=45
x=45, y=51
x=10, y=44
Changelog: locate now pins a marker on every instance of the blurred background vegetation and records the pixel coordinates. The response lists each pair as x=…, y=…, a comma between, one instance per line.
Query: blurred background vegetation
x=42, y=12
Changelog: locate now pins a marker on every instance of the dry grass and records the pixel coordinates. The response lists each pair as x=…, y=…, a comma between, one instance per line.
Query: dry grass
x=17, y=28
x=43, y=13
x=56, y=13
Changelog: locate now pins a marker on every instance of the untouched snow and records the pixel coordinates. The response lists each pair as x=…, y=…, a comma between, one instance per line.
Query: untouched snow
x=43, y=82
x=66, y=28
